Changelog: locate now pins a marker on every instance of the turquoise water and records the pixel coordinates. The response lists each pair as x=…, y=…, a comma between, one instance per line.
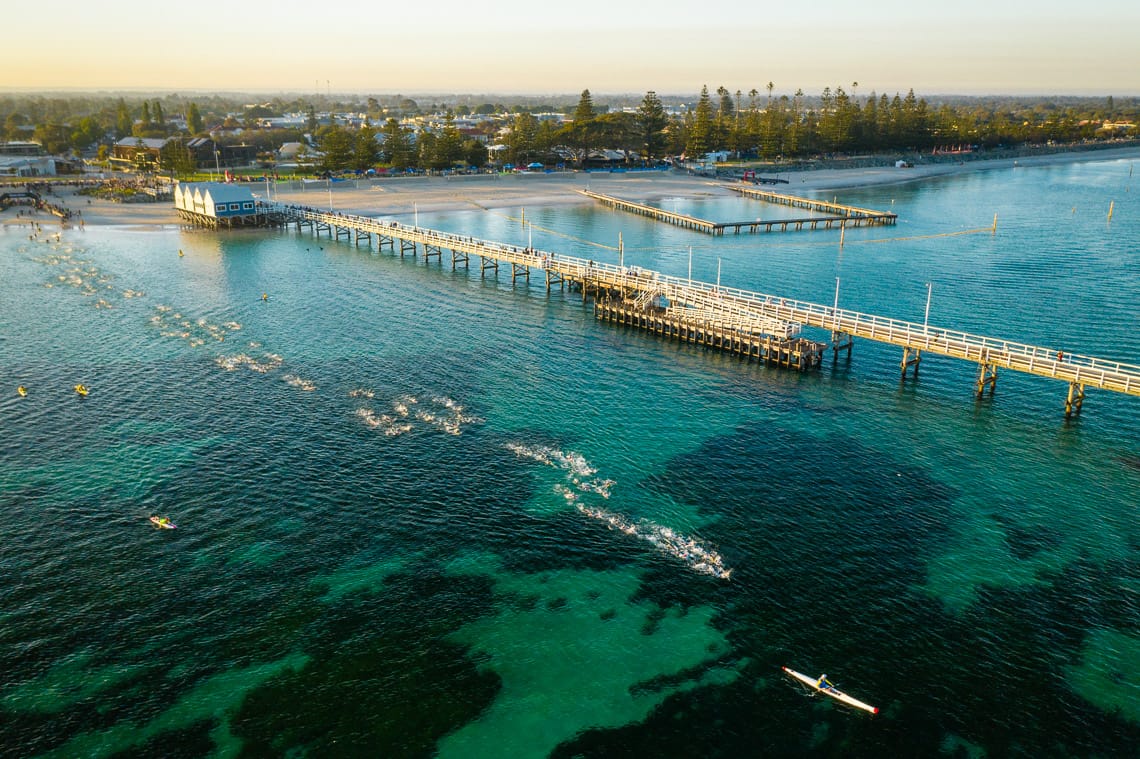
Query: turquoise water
x=422, y=512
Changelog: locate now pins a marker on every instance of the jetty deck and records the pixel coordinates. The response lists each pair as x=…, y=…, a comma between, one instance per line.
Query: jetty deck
x=840, y=215
x=853, y=216
x=729, y=312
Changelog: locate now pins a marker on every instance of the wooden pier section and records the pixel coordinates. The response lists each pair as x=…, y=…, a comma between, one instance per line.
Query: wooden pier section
x=746, y=323
x=264, y=217
x=840, y=215
x=660, y=214
x=851, y=216
x=723, y=335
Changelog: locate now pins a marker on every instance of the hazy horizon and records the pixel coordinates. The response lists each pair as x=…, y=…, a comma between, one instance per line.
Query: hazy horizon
x=979, y=49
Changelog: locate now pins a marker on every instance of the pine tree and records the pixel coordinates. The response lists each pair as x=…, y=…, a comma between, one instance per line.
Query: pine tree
x=700, y=135
x=581, y=130
x=365, y=149
x=194, y=119
x=123, y=120
x=397, y=145
x=651, y=122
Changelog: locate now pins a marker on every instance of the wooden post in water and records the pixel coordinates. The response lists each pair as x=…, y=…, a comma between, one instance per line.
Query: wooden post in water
x=987, y=376
x=1075, y=400
x=908, y=361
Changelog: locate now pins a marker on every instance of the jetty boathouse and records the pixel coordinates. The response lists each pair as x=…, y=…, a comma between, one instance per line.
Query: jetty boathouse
x=217, y=205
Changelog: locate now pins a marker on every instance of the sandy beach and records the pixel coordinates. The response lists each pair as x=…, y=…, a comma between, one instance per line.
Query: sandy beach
x=403, y=197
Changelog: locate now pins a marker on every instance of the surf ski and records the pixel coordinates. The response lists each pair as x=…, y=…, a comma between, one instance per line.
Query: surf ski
x=163, y=523
x=822, y=685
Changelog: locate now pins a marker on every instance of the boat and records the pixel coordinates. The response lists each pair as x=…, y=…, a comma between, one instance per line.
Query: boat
x=23, y=391
x=821, y=685
x=82, y=390
x=163, y=523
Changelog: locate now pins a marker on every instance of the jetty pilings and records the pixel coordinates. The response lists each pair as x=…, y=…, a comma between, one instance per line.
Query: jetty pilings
x=734, y=320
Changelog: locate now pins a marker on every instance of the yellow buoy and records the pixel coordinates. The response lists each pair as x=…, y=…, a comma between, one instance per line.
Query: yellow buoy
x=22, y=391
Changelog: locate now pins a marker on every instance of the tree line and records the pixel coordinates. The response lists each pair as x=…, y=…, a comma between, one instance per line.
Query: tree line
x=758, y=124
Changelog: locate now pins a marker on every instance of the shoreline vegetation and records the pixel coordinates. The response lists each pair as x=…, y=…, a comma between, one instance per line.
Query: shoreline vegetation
x=405, y=196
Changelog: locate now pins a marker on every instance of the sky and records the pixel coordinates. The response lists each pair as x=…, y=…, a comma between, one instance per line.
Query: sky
x=609, y=47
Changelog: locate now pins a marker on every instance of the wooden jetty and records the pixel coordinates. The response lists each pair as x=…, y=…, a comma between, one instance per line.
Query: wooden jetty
x=721, y=334
x=851, y=216
x=660, y=214
x=991, y=354
x=840, y=215
x=737, y=321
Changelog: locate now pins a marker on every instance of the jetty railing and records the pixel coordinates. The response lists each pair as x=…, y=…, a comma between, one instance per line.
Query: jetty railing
x=855, y=213
x=758, y=312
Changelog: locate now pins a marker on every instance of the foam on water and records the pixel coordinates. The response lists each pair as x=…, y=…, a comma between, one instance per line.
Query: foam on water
x=171, y=323
x=692, y=552
x=439, y=412
x=267, y=363
x=299, y=382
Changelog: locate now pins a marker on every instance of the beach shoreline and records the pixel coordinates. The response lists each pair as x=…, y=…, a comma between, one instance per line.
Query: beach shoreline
x=404, y=197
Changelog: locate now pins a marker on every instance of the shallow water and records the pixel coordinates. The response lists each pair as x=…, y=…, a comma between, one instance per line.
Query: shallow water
x=424, y=512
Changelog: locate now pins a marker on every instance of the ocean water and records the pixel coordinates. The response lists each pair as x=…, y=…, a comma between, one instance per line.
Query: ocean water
x=424, y=513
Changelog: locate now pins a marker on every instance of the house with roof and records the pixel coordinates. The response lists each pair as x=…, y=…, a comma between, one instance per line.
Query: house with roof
x=138, y=152
x=203, y=150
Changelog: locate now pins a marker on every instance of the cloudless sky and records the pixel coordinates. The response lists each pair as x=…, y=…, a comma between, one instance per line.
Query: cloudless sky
x=606, y=46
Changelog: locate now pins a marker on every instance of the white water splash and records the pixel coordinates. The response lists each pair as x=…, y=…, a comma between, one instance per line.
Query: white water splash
x=440, y=412
x=693, y=552
x=268, y=363
x=299, y=383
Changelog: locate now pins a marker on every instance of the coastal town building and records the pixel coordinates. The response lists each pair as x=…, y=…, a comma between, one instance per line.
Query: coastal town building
x=23, y=158
x=215, y=204
x=21, y=147
x=138, y=152
x=27, y=166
